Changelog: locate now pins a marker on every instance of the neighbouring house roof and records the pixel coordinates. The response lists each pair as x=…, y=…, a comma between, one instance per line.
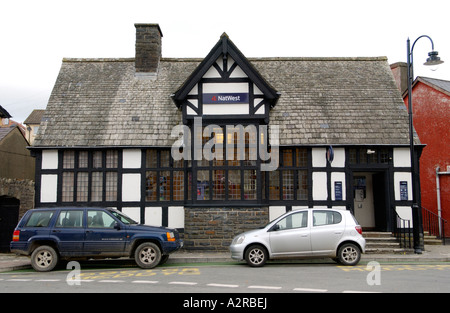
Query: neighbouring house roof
x=339, y=101
x=4, y=113
x=35, y=117
x=438, y=84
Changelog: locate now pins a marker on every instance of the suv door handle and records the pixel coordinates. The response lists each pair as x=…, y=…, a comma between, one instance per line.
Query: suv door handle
x=56, y=231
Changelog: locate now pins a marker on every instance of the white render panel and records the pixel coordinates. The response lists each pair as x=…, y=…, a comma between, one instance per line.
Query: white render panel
x=131, y=187
x=225, y=87
x=339, y=158
x=153, y=216
x=276, y=211
x=319, y=158
x=49, y=159
x=176, y=217
x=49, y=188
x=319, y=186
x=402, y=157
x=398, y=177
x=134, y=213
x=212, y=73
x=238, y=73
x=131, y=158
x=225, y=109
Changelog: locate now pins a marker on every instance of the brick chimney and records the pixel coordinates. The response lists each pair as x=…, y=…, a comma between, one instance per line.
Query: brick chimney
x=400, y=71
x=148, y=48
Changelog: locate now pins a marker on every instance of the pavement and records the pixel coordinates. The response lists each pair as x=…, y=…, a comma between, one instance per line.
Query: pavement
x=431, y=254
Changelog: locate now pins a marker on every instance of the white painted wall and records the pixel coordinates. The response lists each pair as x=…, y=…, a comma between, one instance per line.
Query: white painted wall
x=176, y=217
x=402, y=157
x=131, y=187
x=49, y=159
x=319, y=157
x=320, y=191
x=131, y=158
x=49, y=188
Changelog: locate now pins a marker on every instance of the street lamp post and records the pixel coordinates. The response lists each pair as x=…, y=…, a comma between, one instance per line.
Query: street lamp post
x=432, y=60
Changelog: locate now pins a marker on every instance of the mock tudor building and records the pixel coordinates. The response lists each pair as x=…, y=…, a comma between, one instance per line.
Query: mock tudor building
x=220, y=145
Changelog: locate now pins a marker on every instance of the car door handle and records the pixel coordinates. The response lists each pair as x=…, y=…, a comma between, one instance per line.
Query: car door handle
x=338, y=232
x=305, y=235
x=56, y=231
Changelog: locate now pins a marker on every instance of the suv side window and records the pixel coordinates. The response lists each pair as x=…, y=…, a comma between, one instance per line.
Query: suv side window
x=321, y=218
x=296, y=220
x=100, y=219
x=39, y=219
x=70, y=219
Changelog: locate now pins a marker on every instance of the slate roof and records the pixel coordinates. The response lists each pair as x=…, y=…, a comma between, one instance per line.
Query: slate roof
x=438, y=84
x=339, y=101
x=35, y=117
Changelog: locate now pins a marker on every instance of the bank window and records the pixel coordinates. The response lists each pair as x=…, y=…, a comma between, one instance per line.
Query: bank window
x=274, y=185
x=97, y=186
x=164, y=186
x=112, y=157
x=83, y=159
x=369, y=156
x=69, y=159
x=67, y=186
x=82, y=186
x=250, y=185
x=164, y=177
x=290, y=181
x=111, y=186
x=97, y=159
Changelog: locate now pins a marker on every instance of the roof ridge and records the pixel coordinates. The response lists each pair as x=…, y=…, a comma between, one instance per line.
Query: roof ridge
x=174, y=59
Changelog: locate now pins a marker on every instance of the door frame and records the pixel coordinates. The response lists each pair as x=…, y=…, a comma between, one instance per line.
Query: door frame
x=381, y=194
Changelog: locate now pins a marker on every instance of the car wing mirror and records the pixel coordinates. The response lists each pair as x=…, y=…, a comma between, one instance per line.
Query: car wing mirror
x=117, y=225
x=275, y=227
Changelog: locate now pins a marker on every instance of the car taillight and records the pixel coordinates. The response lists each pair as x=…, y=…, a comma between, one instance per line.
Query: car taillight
x=358, y=229
x=16, y=235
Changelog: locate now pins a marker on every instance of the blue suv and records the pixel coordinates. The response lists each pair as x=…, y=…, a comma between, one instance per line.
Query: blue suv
x=51, y=234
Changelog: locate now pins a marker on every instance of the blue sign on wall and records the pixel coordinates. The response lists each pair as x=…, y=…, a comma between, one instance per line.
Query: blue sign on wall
x=225, y=98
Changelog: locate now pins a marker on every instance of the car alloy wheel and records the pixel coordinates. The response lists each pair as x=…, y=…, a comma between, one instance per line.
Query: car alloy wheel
x=349, y=254
x=44, y=259
x=256, y=256
x=147, y=255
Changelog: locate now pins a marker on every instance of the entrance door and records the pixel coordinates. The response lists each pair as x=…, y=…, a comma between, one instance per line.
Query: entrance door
x=9, y=217
x=363, y=199
x=370, y=201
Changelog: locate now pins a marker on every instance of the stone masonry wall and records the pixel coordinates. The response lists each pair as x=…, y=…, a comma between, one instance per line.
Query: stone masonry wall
x=213, y=229
x=22, y=190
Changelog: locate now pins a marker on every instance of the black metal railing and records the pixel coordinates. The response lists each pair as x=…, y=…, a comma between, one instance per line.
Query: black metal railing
x=403, y=231
x=433, y=224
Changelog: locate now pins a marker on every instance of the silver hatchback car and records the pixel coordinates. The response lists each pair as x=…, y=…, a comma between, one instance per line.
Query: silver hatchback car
x=307, y=233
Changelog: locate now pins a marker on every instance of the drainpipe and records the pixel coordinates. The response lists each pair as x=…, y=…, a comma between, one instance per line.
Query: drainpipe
x=438, y=192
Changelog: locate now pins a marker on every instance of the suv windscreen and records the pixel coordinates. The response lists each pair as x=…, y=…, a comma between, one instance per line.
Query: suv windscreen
x=122, y=217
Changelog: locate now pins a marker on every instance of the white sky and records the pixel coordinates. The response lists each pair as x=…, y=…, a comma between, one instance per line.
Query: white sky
x=36, y=34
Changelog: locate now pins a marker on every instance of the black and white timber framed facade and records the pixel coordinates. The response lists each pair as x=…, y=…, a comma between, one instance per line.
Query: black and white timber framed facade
x=107, y=136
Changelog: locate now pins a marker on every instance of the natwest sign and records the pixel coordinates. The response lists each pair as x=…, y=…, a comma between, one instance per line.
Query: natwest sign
x=225, y=98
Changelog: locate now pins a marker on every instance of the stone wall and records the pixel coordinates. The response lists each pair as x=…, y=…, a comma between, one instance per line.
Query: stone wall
x=213, y=229
x=23, y=190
